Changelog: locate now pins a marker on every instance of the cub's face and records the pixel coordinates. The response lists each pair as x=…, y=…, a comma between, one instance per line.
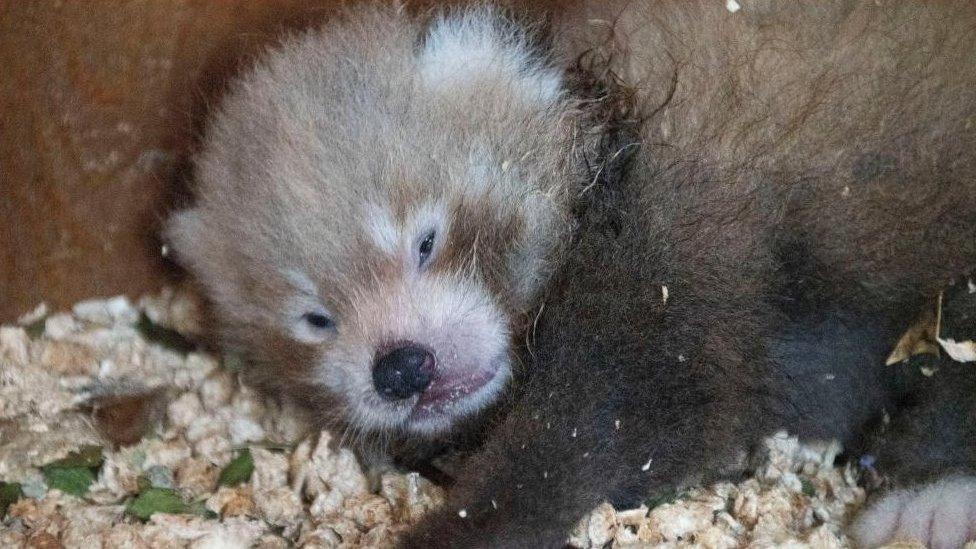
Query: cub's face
x=378, y=204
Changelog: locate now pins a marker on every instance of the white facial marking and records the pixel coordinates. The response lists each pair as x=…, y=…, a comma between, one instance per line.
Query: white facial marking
x=460, y=323
x=381, y=228
x=301, y=282
x=427, y=218
x=484, y=174
x=478, y=45
x=303, y=302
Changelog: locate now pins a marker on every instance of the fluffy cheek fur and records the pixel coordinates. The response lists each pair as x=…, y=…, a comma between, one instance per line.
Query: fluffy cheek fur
x=456, y=319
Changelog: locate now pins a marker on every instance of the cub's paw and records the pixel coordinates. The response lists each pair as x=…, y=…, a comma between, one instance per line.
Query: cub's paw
x=940, y=515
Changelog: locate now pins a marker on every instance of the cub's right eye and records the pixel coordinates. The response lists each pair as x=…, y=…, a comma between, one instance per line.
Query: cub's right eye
x=319, y=321
x=426, y=248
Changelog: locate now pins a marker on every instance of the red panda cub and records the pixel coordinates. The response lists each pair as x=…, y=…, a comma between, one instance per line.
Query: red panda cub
x=718, y=236
x=373, y=213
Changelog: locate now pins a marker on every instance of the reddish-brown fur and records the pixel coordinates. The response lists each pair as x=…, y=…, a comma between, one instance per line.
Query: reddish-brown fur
x=800, y=177
x=806, y=181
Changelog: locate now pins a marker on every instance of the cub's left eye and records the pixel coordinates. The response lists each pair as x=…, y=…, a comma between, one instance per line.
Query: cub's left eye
x=426, y=247
x=319, y=321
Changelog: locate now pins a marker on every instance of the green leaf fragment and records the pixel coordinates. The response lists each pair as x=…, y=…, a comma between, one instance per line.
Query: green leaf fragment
x=36, y=329
x=70, y=480
x=10, y=492
x=156, y=500
x=74, y=473
x=238, y=471
x=199, y=508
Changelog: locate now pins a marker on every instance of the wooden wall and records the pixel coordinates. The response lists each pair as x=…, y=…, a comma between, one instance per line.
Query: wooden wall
x=98, y=105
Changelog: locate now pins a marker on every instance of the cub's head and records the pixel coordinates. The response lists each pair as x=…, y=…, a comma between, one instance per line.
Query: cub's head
x=378, y=204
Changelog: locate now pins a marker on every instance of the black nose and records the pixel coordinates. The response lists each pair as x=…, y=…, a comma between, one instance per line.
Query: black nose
x=403, y=372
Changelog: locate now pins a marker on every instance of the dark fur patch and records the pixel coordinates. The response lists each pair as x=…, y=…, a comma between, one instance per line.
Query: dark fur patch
x=871, y=166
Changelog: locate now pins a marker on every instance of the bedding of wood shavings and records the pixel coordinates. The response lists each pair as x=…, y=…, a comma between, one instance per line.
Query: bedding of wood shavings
x=304, y=490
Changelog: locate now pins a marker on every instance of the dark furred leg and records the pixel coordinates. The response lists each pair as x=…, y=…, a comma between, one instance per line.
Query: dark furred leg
x=632, y=393
x=927, y=457
x=935, y=434
x=834, y=361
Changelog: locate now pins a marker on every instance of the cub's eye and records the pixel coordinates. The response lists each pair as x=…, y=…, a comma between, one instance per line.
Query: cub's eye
x=319, y=321
x=426, y=246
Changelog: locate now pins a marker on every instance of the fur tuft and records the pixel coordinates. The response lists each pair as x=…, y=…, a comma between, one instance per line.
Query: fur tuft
x=478, y=47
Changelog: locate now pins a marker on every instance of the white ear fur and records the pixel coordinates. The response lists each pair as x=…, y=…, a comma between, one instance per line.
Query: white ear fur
x=465, y=49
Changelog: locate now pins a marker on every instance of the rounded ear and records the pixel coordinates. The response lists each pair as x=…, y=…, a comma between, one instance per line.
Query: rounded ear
x=183, y=233
x=475, y=47
x=200, y=250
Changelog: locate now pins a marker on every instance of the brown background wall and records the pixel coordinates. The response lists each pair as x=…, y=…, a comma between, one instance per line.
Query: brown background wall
x=98, y=104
